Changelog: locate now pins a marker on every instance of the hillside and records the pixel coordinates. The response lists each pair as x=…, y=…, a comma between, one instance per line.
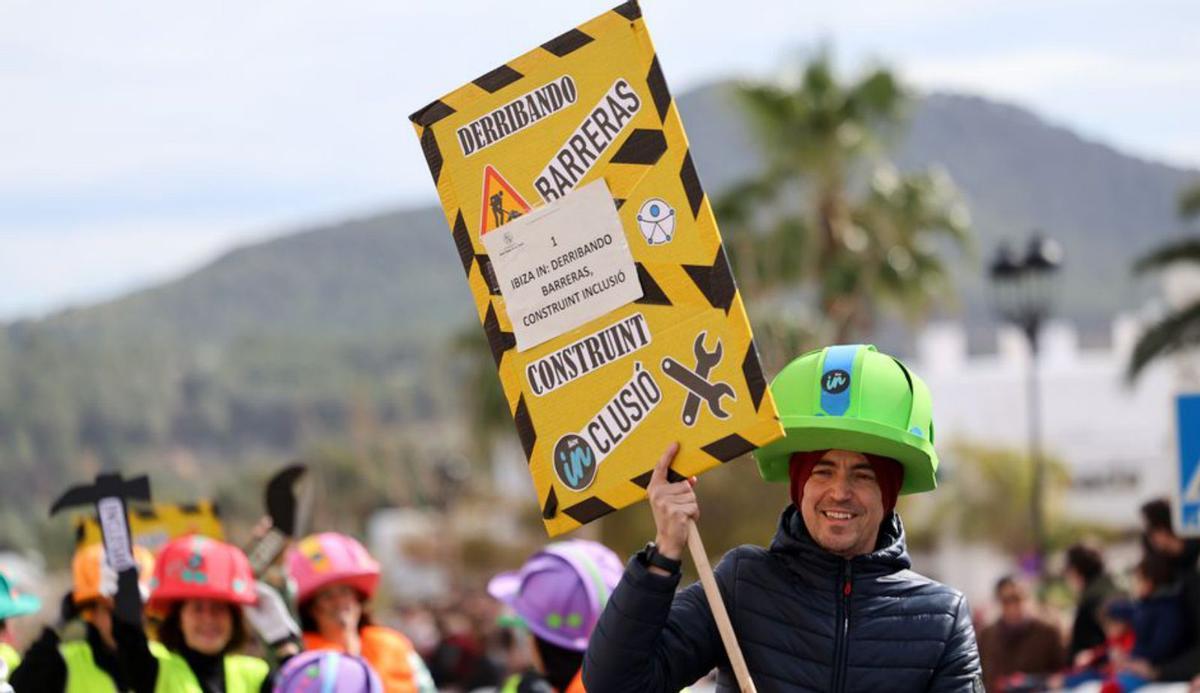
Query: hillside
x=278, y=344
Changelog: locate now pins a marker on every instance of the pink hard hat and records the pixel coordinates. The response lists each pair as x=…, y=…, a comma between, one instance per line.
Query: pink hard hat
x=320, y=560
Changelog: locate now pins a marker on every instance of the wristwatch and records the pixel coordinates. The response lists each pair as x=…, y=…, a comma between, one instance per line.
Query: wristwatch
x=649, y=556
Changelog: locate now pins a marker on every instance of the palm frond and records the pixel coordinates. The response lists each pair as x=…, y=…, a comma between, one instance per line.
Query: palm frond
x=1176, y=332
x=1183, y=250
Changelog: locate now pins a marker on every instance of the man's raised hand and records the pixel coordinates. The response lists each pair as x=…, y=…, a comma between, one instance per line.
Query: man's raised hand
x=674, y=506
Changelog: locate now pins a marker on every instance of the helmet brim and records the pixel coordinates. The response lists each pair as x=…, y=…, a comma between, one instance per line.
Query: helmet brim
x=808, y=433
x=21, y=605
x=505, y=586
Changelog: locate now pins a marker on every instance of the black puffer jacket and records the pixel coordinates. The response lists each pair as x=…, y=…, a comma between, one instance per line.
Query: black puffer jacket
x=806, y=620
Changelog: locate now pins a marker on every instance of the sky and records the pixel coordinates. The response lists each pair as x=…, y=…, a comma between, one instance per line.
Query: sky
x=140, y=140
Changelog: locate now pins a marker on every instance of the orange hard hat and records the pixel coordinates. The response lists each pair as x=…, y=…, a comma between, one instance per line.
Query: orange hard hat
x=86, y=567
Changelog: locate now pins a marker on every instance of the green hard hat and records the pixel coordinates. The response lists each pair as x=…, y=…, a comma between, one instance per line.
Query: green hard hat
x=851, y=397
x=14, y=604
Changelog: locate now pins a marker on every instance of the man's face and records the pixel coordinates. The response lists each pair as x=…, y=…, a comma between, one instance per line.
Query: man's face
x=842, y=504
x=1014, y=603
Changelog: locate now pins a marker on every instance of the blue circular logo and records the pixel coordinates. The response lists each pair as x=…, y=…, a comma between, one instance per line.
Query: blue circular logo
x=835, y=381
x=574, y=462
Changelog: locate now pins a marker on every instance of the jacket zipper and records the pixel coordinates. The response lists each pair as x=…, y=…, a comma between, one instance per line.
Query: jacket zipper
x=841, y=645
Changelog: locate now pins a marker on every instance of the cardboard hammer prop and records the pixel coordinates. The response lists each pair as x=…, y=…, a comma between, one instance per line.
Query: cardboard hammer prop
x=282, y=511
x=109, y=494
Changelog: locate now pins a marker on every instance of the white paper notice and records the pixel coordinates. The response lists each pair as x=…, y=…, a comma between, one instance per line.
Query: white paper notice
x=563, y=265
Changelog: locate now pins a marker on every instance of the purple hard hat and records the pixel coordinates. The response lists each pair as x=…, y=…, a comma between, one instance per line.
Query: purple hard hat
x=326, y=671
x=561, y=590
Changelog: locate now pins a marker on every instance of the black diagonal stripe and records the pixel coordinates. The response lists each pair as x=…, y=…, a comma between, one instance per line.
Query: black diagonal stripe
x=715, y=281
x=189, y=508
x=752, y=371
x=497, y=79
x=550, y=508
x=642, y=146
x=489, y=274
x=658, y=89
x=80, y=532
x=499, y=340
x=525, y=429
x=729, y=447
x=145, y=513
x=652, y=293
x=433, y=154
x=691, y=184
x=629, y=10
x=431, y=114
x=462, y=242
x=643, y=480
x=566, y=43
x=588, y=510
x=618, y=202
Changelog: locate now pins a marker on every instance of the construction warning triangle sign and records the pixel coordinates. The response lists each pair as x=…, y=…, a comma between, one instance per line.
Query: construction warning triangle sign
x=501, y=203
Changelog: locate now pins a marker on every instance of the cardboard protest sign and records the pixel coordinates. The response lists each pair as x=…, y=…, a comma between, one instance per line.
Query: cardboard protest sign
x=153, y=525
x=597, y=268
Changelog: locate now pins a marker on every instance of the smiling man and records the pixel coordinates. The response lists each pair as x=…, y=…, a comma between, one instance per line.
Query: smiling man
x=832, y=604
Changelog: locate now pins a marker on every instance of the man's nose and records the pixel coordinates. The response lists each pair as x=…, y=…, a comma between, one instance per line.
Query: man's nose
x=840, y=489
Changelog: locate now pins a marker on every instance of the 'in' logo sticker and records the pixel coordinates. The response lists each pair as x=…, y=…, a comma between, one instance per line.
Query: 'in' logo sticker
x=836, y=381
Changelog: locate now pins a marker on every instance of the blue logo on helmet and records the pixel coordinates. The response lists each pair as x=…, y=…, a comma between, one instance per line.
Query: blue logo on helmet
x=835, y=381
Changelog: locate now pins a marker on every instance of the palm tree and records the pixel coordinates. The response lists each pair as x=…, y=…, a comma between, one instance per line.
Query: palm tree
x=801, y=223
x=1180, y=329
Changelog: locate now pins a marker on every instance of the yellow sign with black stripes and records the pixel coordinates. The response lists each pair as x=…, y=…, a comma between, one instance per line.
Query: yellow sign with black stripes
x=153, y=525
x=596, y=400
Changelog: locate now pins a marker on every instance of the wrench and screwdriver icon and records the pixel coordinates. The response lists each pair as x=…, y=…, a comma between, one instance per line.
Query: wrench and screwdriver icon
x=696, y=381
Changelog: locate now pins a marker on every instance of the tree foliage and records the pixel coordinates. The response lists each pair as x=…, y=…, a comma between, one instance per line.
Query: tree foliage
x=829, y=217
x=1179, y=330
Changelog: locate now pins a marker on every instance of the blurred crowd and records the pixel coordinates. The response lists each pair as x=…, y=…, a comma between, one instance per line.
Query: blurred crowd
x=1130, y=626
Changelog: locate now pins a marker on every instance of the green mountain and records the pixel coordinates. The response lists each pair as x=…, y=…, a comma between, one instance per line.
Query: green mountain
x=279, y=344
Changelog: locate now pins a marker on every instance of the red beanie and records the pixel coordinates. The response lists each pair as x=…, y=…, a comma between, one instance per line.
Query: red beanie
x=888, y=472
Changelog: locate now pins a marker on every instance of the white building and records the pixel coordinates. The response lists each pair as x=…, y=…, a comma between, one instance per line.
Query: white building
x=1117, y=439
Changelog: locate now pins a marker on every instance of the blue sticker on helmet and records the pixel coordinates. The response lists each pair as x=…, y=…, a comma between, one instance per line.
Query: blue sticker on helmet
x=835, y=378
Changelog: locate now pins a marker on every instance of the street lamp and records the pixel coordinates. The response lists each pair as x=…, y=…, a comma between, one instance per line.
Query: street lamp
x=1023, y=288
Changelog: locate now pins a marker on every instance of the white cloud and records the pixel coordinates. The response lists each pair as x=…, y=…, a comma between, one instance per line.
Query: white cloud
x=209, y=117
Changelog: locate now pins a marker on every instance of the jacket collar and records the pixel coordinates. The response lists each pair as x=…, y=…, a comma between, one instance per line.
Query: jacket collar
x=793, y=542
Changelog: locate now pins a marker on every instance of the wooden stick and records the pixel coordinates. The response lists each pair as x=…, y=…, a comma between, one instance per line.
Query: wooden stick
x=717, y=604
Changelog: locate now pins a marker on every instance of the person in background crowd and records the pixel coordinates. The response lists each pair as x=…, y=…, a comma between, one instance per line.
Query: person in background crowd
x=1087, y=578
x=335, y=577
x=12, y=605
x=1159, y=540
x=1018, y=641
x=1158, y=537
x=557, y=596
x=202, y=586
x=89, y=664
x=1159, y=622
x=462, y=658
x=1099, y=663
x=327, y=671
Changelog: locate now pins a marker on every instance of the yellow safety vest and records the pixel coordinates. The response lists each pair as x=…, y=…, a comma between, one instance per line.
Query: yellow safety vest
x=11, y=657
x=84, y=675
x=242, y=674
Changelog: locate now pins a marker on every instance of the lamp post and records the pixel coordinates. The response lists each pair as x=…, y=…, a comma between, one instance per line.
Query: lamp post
x=1023, y=287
